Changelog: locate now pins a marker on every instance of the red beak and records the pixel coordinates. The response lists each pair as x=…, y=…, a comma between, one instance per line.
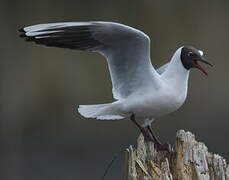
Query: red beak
x=197, y=65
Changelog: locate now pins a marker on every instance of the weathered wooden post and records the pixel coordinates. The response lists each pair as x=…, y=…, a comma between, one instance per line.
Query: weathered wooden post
x=190, y=160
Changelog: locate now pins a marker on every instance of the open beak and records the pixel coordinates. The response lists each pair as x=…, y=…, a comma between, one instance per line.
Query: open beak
x=197, y=65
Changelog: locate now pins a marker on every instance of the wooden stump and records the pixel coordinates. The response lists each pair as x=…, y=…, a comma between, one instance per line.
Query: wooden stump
x=189, y=161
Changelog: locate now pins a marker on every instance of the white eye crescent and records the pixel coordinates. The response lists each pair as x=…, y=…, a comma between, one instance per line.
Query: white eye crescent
x=201, y=52
x=190, y=53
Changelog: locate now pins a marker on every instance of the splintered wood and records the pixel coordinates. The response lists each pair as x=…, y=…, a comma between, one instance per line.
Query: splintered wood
x=189, y=161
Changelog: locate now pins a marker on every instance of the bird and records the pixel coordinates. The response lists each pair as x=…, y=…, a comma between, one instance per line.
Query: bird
x=141, y=92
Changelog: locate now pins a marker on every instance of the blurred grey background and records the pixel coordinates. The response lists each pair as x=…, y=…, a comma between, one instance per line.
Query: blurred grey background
x=41, y=134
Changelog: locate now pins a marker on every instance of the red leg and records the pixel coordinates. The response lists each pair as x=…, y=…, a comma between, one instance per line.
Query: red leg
x=153, y=135
x=144, y=131
x=150, y=136
x=157, y=143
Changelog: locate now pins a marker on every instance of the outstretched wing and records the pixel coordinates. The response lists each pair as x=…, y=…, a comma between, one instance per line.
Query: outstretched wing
x=126, y=49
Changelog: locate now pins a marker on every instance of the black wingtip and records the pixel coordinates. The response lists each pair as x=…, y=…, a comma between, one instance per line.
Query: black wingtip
x=27, y=38
x=22, y=35
x=21, y=30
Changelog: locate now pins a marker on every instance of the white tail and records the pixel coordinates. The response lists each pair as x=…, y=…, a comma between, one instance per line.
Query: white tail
x=100, y=111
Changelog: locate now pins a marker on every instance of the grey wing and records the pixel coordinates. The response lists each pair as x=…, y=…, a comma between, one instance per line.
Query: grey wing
x=162, y=69
x=126, y=49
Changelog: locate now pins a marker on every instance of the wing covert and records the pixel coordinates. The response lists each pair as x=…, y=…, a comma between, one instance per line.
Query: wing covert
x=127, y=50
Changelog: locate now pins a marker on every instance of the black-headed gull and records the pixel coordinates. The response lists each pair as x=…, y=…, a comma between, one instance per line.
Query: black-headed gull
x=141, y=92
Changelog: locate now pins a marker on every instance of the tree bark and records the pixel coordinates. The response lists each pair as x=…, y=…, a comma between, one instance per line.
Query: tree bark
x=189, y=161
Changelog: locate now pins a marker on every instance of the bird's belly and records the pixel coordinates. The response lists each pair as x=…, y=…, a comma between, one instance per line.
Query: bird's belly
x=154, y=106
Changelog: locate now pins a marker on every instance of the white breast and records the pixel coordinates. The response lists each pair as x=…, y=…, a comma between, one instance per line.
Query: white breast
x=152, y=104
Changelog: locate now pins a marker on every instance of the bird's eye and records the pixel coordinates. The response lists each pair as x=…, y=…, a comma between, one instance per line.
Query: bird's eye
x=191, y=54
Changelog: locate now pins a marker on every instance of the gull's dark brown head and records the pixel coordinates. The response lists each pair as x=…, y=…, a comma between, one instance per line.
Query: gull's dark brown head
x=190, y=58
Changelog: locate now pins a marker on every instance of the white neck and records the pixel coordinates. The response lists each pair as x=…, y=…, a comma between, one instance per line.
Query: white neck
x=175, y=73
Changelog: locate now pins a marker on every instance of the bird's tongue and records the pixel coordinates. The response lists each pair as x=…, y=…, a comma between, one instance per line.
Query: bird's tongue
x=200, y=67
